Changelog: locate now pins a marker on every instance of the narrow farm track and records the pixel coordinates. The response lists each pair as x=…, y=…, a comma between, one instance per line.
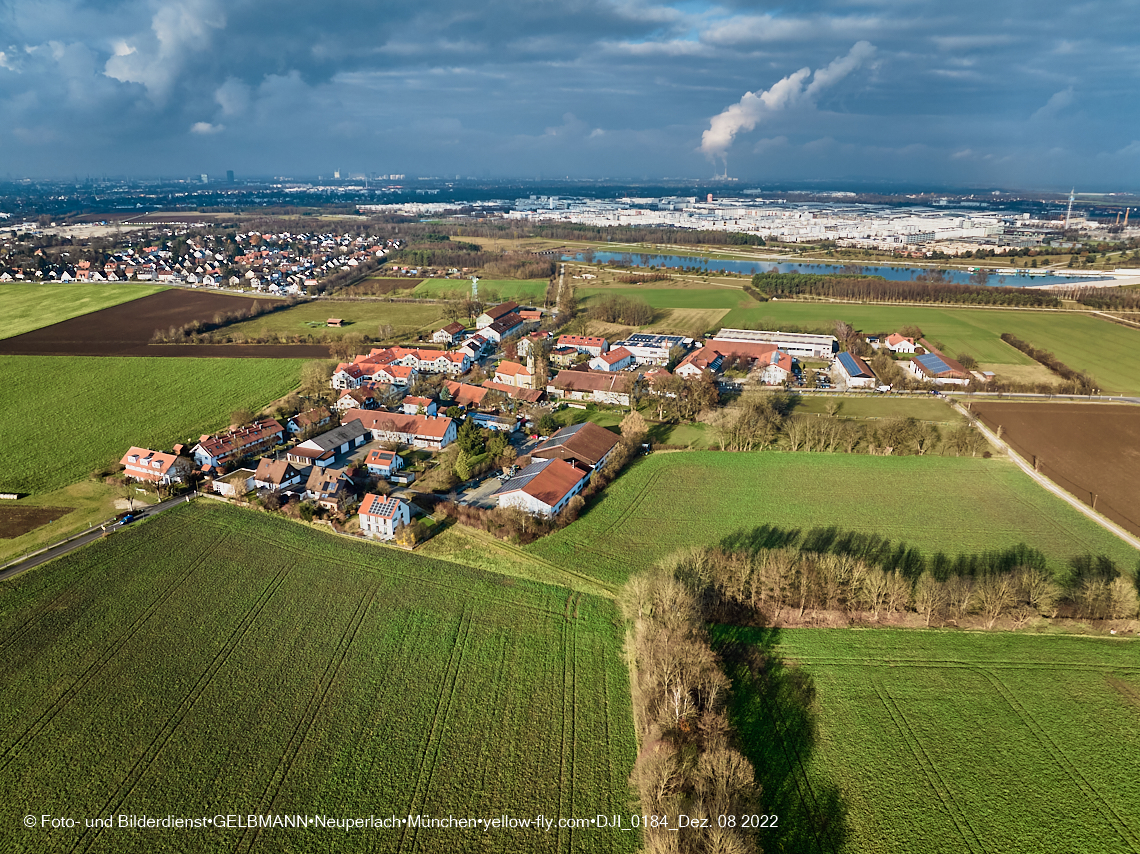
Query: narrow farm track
x=432, y=745
x=100, y=663
x=1053, y=748
x=961, y=820
x=305, y=724
x=171, y=725
x=970, y=665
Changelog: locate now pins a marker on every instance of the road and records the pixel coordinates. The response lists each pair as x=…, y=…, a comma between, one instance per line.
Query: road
x=1105, y=523
x=22, y=565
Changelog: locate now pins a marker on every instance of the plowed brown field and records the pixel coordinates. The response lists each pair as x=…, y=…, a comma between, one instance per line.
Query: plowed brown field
x=16, y=520
x=126, y=330
x=1091, y=450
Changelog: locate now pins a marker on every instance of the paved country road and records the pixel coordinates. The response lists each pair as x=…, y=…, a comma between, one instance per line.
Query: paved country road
x=22, y=565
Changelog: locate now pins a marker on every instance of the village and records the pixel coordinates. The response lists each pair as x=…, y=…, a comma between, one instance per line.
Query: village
x=374, y=450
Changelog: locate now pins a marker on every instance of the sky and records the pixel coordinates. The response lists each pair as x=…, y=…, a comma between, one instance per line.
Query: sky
x=1008, y=94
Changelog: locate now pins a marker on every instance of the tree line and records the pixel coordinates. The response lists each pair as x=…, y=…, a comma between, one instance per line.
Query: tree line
x=624, y=310
x=875, y=289
x=1109, y=299
x=1084, y=383
x=198, y=330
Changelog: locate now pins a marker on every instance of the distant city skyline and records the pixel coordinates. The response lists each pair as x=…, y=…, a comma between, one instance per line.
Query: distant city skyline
x=843, y=91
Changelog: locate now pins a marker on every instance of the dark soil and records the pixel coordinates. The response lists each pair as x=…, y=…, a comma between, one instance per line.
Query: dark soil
x=16, y=520
x=126, y=330
x=1088, y=449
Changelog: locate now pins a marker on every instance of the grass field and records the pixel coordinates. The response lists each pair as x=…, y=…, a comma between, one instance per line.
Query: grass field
x=881, y=406
x=946, y=742
x=1108, y=351
x=24, y=307
x=63, y=417
x=691, y=298
x=520, y=290
x=220, y=661
x=364, y=316
x=669, y=501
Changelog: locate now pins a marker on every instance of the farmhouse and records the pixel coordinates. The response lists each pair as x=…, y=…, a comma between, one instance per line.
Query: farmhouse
x=226, y=448
x=494, y=313
x=776, y=367
x=464, y=394
x=322, y=450
x=513, y=374
x=898, y=344
x=421, y=431
x=588, y=344
x=448, y=334
x=276, y=474
x=853, y=371
x=696, y=363
x=310, y=418
x=381, y=515
x=383, y=463
x=797, y=343
x=542, y=488
x=154, y=466
x=940, y=370
x=586, y=445
x=602, y=387
x=617, y=359
x=527, y=395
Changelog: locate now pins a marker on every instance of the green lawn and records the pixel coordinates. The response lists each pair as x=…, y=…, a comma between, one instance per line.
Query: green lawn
x=365, y=316
x=944, y=742
x=62, y=417
x=24, y=307
x=520, y=290
x=669, y=501
x=221, y=661
x=1108, y=351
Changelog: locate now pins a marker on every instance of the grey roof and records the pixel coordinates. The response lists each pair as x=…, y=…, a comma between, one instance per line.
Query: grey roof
x=523, y=477
x=336, y=438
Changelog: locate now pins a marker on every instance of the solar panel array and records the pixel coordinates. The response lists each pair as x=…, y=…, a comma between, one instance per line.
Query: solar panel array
x=852, y=366
x=933, y=363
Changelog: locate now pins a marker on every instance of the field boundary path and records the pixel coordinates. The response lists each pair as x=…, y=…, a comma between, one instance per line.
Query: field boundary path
x=1075, y=502
x=22, y=564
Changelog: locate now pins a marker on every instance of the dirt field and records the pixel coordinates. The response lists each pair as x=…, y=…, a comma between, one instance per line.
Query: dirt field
x=16, y=520
x=126, y=330
x=1086, y=448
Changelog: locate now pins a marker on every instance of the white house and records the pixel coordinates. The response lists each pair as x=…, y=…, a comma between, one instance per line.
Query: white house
x=898, y=344
x=235, y=484
x=381, y=515
x=542, y=488
x=617, y=359
x=775, y=367
x=383, y=463
x=323, y=450
x=514, y=374
x=276, y=474
x=154, y=466
x=448, y=334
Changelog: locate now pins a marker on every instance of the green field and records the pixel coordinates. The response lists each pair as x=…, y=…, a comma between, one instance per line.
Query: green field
x=24, y=307
x=699, y=298
x=946, y=742
x=62, y=417
x=1108, y=351
x=669, y=501
x=881, y=406
x=365, y=316
x=520, y=290
x=220, y=661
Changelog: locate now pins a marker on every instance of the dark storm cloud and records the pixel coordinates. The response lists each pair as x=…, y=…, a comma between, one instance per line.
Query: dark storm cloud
x=1007, y=93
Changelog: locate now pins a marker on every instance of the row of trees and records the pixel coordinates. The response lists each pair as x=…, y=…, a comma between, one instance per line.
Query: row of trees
x=872, y=289
x=688, y=763
x=1084, y=383
x=196, y=330
x=625, y=310
x=781, y=584
x=1110, y=299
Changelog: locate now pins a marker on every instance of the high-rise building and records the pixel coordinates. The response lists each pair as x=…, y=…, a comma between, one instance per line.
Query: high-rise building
x=229, y=176
x=205, y=178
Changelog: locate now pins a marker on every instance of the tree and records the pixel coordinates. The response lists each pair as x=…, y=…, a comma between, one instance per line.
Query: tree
x=634, y=428
x=315, y=379
x=929, y=596
x=240, y=416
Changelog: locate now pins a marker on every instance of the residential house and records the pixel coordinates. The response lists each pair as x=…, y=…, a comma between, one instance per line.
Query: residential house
x=322, y=451
x=448, y=334
x=383, y=463
x=494, y=313
x=330, y=488
x=310, y=418
x=588, y=344
x=155, y=466
x=235, y=484
x=381, y=515
x=542, y=488
x=533, y=340
x=598, y=386
x=418, y=406
x=465, y=394
x=697, y=362
x=776, y=368
x=586, y=445
x=527, y=395
x=563, y=357
x=505, y=327
x=397, y=375
x=513, y=374
x=618, y=359
x=421, y=431
x=898, y=344
x=226, y=448
x=356, y=398
x=275, y=475
x=497, y=423
x=853, y=371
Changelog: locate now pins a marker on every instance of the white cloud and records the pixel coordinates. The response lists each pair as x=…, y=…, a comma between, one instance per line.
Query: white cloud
x=1055, y=104
x=788, y=92
x=206, y=129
